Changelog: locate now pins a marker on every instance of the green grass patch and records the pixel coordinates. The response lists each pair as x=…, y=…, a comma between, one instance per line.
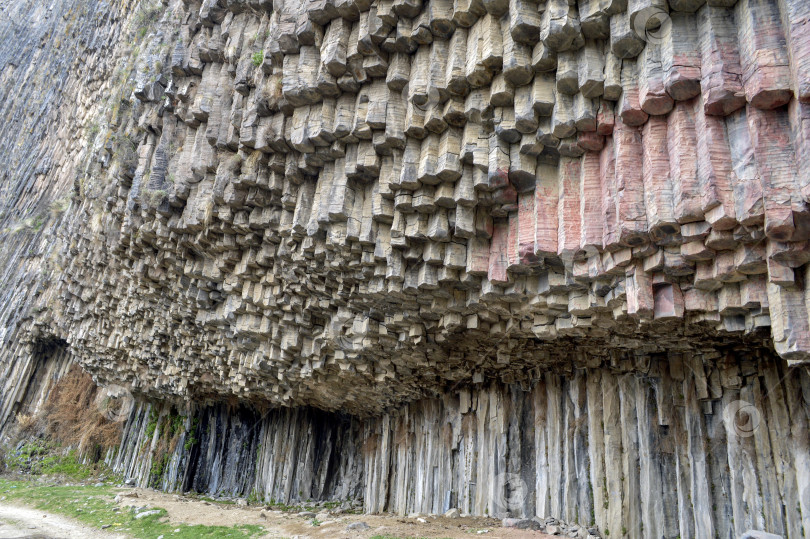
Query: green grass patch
x=39, y=457
x=68, y=465
x=94, y=506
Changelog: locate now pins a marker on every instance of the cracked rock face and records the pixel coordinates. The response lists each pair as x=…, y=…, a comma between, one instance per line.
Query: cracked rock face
x=353, y=204
x=349, y=205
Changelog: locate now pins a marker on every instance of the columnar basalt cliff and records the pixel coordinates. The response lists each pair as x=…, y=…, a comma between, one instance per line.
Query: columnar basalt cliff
x=512, y=256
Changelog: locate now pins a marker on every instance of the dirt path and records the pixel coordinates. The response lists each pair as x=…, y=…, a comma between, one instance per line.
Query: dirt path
x=288, y=525
x=25, y=523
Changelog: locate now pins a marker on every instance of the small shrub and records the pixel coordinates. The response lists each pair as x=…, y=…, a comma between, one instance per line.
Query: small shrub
x=125, y=153
x=33, y=224
x=258, y=58
x=253, y=497
x=146, y=16
x=177, y=424
x=159, y=465
x=73, y=419
x=25, y=421
x=28, y=457
x=92, y=132
x=58, y=207
x=27, y=425
x=154, y=197
x=152, y=424
x=191, y=436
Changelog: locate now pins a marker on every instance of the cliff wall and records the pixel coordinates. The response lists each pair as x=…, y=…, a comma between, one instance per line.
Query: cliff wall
x=420, y=245
x=659, y=448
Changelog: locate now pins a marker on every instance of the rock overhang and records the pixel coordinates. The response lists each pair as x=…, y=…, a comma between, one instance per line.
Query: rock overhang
x=351, y=205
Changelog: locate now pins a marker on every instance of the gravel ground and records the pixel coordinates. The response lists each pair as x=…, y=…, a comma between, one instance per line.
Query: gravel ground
x=22, y=522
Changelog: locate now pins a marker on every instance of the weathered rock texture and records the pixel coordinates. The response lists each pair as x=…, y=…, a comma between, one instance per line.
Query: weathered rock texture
x=59, y=68
x=660, y=447
x=576, y=236
x=283, y=455
x=304, y=205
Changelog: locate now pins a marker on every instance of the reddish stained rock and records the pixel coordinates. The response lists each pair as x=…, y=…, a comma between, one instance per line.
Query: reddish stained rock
x=652, y=94
x=607, y=175
x=773, y=151
x=799, y=115
x=683, y=83
x=668, y=301
x=498, y=254
x=478, y=256
x=682, y=144
x=499, y=178
x=632, y=216
x=628, y=107
x=590, y=141
x=759, y=94
x=747, y=189
x=714, y=169
x=797, y=13
x=591, y=220
x=604, y=118
x=568, y=221
x=721, y=73
x=513, y=262
x=546, y=194
x=524, y=239
x=681, y=58
x=763, y=54
x=506, y=195
x=657, y=179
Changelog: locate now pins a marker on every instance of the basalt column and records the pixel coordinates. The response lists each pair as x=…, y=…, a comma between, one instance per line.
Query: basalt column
x=519, y=257
x=642, y=447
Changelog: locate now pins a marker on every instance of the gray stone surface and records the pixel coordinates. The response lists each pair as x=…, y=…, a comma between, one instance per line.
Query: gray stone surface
x=530, y=253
